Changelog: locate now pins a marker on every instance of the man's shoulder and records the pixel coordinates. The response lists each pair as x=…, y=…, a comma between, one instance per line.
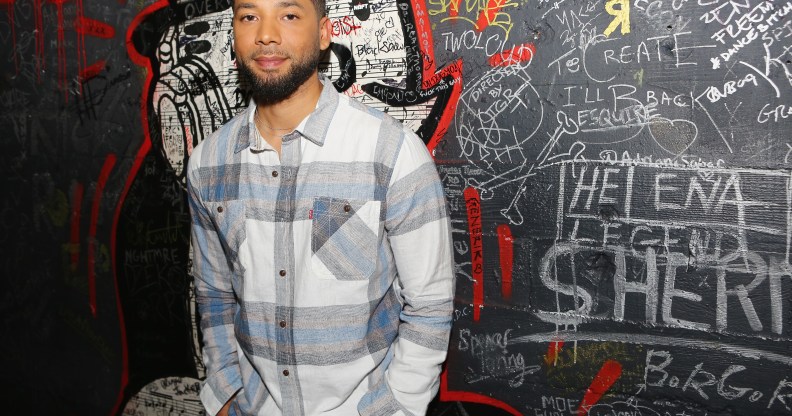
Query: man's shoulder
x=222, y=140
x=394, y=142
x=356, y=108
x=368, y=118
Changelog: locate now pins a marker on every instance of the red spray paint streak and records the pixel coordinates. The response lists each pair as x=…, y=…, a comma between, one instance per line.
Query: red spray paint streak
x=506, y=250
x=487, y=15
x=453, y=11
x=74, y=248
x=39, y=19
x=455, y=70
x=92, y=71
x=466, y=396
x=82, y=59
x=11, y=22
x=473, y=204
x=517, y=54
x=145, y=147
x=104, y=174
x=552, y=352
x=89, y=27
x=607, y=375
x=62, y=76
x=93, y=27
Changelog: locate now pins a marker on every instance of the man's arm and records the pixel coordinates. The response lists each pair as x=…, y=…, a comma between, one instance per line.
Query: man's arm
x=419, y=232
x=216, y=305
x=226, y=407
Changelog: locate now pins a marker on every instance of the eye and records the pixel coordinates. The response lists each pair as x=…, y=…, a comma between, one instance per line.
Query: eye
x=247, y=18
x=291, y=16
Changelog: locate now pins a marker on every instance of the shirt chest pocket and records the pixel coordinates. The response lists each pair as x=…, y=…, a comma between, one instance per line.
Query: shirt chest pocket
x=344, y=238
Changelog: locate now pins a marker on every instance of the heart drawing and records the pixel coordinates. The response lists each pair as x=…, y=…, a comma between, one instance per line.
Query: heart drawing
x=674, y=136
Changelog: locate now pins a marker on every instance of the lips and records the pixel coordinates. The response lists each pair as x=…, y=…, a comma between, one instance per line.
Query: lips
x=269, y=62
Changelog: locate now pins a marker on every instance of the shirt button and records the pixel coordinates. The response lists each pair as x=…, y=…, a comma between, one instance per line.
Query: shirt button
x=282, y=324
x=282, y=273
x=286, y=373
x=274, y=173
x=219, y=209
x=347, y=208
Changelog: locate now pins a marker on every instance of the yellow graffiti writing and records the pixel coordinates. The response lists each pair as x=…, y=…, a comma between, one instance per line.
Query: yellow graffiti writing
x=479, y=13
x=621, y=16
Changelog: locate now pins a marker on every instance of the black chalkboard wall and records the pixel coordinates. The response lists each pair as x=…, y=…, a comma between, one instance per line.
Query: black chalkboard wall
x=618, y=173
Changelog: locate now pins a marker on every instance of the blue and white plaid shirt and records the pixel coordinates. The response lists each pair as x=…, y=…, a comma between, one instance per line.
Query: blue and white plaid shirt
x=324, y=277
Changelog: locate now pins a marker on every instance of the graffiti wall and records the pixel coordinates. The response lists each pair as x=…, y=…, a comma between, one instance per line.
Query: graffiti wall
x=618, y=175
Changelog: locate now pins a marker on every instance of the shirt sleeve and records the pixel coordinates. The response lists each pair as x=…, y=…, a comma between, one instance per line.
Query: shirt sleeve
x=216, y=302
x=419, y=232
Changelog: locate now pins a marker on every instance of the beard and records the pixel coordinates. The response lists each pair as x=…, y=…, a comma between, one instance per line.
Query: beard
x=273, y=89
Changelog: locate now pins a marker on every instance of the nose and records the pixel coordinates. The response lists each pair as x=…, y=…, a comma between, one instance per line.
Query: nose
x=268, y=32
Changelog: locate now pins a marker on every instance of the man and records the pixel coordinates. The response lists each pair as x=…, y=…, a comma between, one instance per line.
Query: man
x=323, y=263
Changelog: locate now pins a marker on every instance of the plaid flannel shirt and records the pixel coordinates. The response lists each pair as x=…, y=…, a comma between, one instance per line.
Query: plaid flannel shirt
x=324, y=277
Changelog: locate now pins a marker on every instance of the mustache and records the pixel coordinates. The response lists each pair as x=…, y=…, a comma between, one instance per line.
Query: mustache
x=269, y=52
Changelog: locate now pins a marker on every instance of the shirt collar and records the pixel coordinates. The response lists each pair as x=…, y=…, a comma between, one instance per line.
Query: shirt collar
x=313, y=127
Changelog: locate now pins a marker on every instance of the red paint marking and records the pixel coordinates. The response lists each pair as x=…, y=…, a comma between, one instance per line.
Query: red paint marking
x=95, y=28
x=82, y=55
x=10, y=5
x=145, y=147
x=62, y=75
x=448, y=114
x=354, y=90
x=487, y=15
x=188, y=137
x=466, y=396
x=506, y=250
x=607, y=375
x=39, y=24
x=104, y=174
x=92, y=70
x=454, y=69
x=552, y=351
x=425, y=42
x=473, y=204
x=520, y=53
x=74, y=248
x=344, y=25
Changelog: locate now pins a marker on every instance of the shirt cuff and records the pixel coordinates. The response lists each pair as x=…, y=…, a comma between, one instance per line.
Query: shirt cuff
x=219, y=388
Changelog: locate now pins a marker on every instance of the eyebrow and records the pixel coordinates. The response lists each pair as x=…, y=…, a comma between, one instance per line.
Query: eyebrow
x=238, y=5
x=288, y=3
x=281, y=4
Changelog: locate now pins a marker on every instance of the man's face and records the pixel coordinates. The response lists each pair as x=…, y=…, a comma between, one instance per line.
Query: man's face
x=277, y=44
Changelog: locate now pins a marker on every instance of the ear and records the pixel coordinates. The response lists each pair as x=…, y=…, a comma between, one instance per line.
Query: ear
x=325, y=33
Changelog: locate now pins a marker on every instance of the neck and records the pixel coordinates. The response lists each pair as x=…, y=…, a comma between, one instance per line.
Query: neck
x=284, y=116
